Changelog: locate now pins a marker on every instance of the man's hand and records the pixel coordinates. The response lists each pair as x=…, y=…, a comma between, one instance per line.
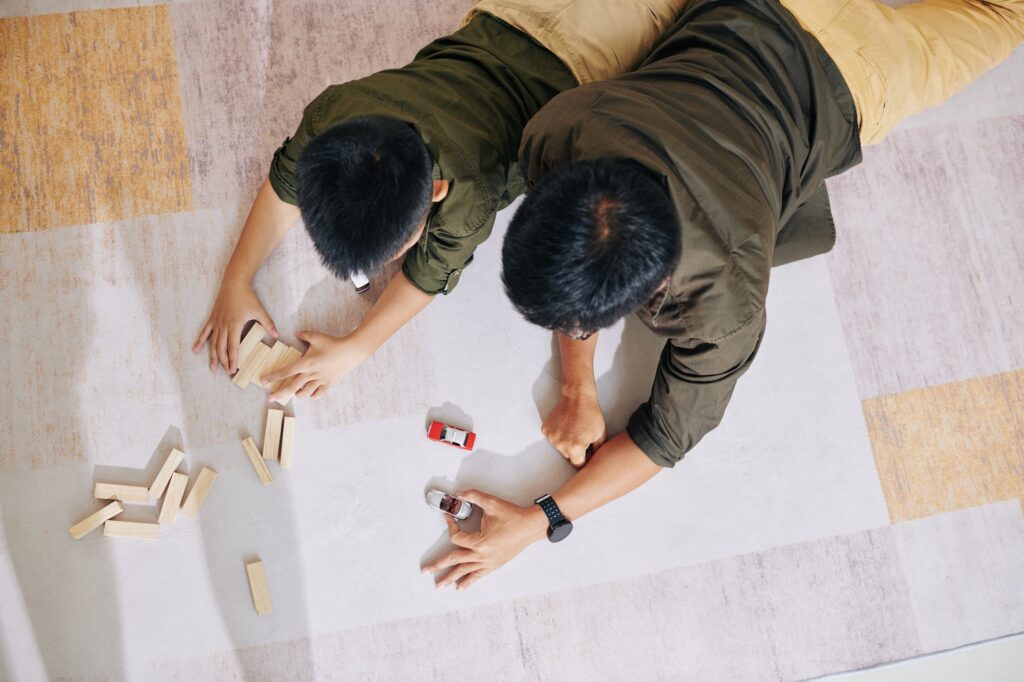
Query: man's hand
x=575, y=424
x=328, y=359
x=506, y=530
x=236, y=304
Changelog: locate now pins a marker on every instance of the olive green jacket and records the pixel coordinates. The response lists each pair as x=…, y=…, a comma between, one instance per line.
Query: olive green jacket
x=744, y=116
x=468, y=95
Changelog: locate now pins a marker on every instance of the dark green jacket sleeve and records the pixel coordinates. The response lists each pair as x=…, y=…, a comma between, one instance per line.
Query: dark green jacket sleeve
x=282, y=168
x=691, y=390
x=436, y=263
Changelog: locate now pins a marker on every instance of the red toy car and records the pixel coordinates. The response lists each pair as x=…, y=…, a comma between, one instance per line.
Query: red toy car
x=451, y=435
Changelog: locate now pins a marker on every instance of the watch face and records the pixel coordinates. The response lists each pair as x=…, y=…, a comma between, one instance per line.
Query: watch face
x=559, y=532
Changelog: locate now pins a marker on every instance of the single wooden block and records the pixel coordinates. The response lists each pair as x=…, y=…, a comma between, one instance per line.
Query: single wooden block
x=257, y=461
x=250, y=341
x=259, y=588
x=253, y=364
x=287, y=442
x=95, y=520
x=272, y=434
x=125, y=493
x=291, y=356
x=199, y=491
x=156, y=490
x=172, y=500
x=131, y=529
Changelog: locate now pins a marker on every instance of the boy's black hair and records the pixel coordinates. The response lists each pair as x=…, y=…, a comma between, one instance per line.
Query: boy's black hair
x=589, y=244
x=364, y=187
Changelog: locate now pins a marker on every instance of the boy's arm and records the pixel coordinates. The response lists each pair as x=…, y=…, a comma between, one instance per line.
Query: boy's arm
x=576, y=423
x=617, y=468
x=329, y=357
x=269, y=221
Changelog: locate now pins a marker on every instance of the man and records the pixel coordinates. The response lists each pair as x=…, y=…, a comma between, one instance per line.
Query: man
x=414, y=163
x=672, y=190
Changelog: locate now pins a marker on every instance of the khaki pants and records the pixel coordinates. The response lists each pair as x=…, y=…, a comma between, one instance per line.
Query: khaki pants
x=898, y=62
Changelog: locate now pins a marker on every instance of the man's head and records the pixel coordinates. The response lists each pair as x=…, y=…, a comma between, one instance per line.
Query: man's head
x=364, y=188
x=591, y=242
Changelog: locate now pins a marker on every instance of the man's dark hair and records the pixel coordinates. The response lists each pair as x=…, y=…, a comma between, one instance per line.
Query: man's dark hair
x=364, y=187
x=589, y=244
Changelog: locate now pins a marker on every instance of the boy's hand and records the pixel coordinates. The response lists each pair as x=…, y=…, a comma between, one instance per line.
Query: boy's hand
x=328, y=359
x=505, y=531
x=575, y=424
x=236, y=304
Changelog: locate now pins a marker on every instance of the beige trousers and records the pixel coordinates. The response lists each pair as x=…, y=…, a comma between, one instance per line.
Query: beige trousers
x=896, y=62
x=596, y=39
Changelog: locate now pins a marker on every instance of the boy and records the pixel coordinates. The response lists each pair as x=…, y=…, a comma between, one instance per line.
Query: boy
x=413, y=163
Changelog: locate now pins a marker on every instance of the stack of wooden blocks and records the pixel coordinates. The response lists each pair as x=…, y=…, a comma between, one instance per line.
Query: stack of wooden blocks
x=256, y=360
x=168, y=484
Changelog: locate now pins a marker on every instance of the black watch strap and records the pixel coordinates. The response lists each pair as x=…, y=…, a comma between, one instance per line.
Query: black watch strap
x=559, y=527
x=551, y=510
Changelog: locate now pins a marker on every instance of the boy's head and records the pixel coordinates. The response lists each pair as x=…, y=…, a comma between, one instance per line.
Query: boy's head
x=591, y=242
x=365, y=187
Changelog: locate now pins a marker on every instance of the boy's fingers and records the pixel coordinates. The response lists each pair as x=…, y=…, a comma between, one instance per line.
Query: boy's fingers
x=320, y=392
x=308, y=389
x=264, y=319
x=203, y=333
x=452, y=558
x=288, y=370
x=456, y=535
x=222, y=348
x=233, y=335
x=470, y=579
x=458, y=572
x=289, y=387
x=213, y=356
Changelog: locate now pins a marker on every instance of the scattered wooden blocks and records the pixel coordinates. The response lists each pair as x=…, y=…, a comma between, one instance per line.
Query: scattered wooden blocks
x=124, y=493
x=131, y=529
x=250, y=369
x=172, y=500
x=156, y=490
x=257, y=461
x=287, y=442
x=95, y=520
x=272, y=434
x=259, y=588
x=275, y=360
x=199, y=491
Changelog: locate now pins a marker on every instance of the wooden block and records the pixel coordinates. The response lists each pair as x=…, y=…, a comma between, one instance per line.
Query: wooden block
x=253, y=364
x=259, y=588
x=291, y=356
x=257, y=461
x=125, y=493
x=164, y=477
x=199, y=491
x=272, y=434
x=131, y=529
x=287, y=442
x=250, y=341
x=172, y=500
x=94, y=521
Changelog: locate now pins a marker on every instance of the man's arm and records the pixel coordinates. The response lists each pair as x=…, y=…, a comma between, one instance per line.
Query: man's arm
x=329, y=357
x=576, y=423
x=269, y=221
x=617, y=468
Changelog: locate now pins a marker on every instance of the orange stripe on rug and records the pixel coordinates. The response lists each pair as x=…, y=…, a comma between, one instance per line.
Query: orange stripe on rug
x=949, y=447
x=91, y=127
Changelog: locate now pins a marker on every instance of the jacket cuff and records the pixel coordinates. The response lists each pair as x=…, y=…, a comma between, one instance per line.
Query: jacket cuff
x=283, y=186
x=643, y=433
x=430, y=281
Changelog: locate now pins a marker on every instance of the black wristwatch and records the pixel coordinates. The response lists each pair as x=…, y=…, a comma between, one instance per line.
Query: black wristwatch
x=559, y=527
